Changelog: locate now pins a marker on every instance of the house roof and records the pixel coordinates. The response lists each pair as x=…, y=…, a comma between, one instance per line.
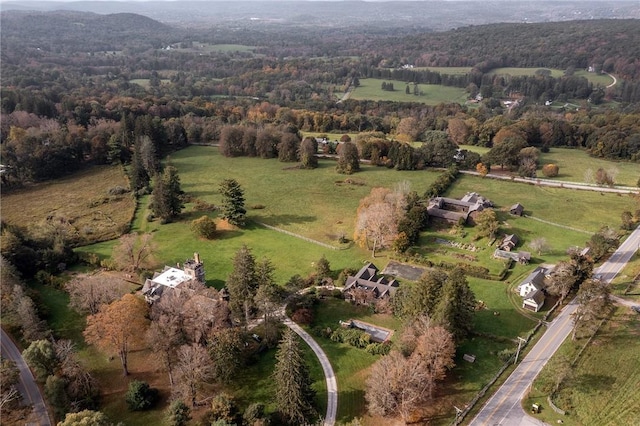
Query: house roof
x=172, y=277
x=536, y=296
x=535, y=278
x=511, y=239
x=517, y=207
x=366, y=278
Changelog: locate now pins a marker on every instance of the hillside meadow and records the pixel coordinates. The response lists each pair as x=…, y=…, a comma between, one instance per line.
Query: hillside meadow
x=431, y=94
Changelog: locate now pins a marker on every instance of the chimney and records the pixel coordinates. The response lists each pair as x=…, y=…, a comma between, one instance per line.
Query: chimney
x=196, y=257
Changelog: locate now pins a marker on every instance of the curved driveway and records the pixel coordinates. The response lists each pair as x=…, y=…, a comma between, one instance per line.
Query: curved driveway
x=27, y=385
x=330, y=377
x=504, y=407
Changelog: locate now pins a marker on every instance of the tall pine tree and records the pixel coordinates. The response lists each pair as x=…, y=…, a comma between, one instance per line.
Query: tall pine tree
x=456, y=305
x=233, y=202
x=166, y=200
x=242, y=284
x=294, y=395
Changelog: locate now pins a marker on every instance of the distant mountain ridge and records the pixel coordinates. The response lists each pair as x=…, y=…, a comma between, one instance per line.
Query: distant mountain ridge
x=436, y=15
x=59, y=30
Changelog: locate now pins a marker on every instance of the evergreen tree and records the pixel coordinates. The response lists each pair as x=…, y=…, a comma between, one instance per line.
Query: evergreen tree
x=456, y=305
x=348, y=160
x=166, y=200
x=138, y=176
x=178, y=413
x=233, y=202
x=242, y=283
x=294, y=395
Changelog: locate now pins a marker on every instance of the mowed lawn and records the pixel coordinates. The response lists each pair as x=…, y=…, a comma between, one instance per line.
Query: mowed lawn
x=584, y=210
x=601, y=79
x=574, y=165
x=432, y=94
x=81, y=200
x=604, y=386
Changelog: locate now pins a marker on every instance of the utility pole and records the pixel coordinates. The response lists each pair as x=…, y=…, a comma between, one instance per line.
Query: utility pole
x=520, y=341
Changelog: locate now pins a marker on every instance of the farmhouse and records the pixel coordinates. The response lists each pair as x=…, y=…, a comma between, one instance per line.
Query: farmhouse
x=454, y=211
x=172, y=278
x=532, y=289
x=516, y=209
x=509, y=242
x=367, y=285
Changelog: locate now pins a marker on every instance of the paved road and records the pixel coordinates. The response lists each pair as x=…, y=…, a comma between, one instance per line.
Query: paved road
x=504, y=407
x=27, y=385
x=330, y=377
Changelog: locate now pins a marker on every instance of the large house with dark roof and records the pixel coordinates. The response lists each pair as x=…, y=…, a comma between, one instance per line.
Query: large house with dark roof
x=369, y=284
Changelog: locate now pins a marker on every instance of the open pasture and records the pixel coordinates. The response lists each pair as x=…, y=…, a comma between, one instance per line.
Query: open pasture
x=596, y=79
x=80, y=200
x=431, y=94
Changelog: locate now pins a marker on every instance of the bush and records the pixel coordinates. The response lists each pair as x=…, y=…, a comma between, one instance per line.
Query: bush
x=117, y=190
x=378, y=348
x=202, y=206
x=204, y=227
x=506, y=354
x=140, y=396
x=254, y=414
x=178, y=413
x=303, y=316
x=550, y=170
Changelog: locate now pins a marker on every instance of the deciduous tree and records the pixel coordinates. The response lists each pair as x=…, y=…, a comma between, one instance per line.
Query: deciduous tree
x=487, y=223
x=594, y=303
x=193, y=369
x=308, y=153
x=348, y=159
x=88, y=293
x=119, y=327
x=133, y=251
x=539, y=245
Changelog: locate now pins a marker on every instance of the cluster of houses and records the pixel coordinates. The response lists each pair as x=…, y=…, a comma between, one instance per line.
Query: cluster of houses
x=455, y=211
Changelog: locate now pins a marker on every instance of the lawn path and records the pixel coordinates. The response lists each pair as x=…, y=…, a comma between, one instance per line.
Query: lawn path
x=302, y=237
x=558, y=225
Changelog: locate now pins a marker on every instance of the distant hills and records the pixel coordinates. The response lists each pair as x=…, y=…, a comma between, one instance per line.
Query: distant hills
x=434, y=15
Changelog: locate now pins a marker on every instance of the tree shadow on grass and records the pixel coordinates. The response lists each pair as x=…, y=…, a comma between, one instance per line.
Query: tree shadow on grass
x=589, y=383
x=287, y=219
x=353, y=402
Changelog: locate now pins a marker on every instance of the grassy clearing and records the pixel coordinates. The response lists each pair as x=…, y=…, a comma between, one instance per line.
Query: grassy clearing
x=585, y=210
x=82, y=199
x=601, y=79
x=574, y=164
x=145, y=82
x=627, y=283
x=604, y=386
x=446, y=70
x=371, y=89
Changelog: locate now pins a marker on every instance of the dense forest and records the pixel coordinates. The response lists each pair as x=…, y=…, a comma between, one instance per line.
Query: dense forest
x=71, y=92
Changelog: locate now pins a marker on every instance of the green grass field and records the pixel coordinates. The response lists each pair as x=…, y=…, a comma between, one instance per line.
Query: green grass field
x=601, y=79
x=584, y=210
x=446, y=70
x=371, y=89
x=574, y=164
x=604, y=386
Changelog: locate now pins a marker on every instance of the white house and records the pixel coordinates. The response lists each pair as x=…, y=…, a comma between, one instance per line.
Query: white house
x=532, y=289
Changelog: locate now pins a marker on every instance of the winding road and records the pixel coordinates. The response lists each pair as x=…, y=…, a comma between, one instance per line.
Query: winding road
x=27, y=385
x=504, y=407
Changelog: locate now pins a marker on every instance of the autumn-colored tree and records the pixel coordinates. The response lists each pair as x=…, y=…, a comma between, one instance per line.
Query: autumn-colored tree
x=377, y=218
x=550, y=170
x=164, y=337
x=458, y=131
x=85, y=418
x=482, y=169
x=308, y=153
x=119, y=327
x=204, y=227
x=88, y=293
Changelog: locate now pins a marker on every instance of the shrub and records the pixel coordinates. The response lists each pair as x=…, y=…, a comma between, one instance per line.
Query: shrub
x=223, y=407
x=204, y=227
x=550, y=170
x=140, y=396
x=178, y=413
x=303, y=316
x=506, y=354
x=254, y=414
x=117, y=190
x=202, y=206
x=378, y=348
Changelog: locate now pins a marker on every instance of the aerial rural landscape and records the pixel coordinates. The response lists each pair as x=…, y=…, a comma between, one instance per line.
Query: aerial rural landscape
x=320, y=213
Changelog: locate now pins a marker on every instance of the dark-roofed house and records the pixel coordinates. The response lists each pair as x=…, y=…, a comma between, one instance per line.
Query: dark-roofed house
x=532, y=289
x=452, y=210
x=172, y=278
x=516, y=209
x=367, y=285
x=523, y=257
x=509, y=242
